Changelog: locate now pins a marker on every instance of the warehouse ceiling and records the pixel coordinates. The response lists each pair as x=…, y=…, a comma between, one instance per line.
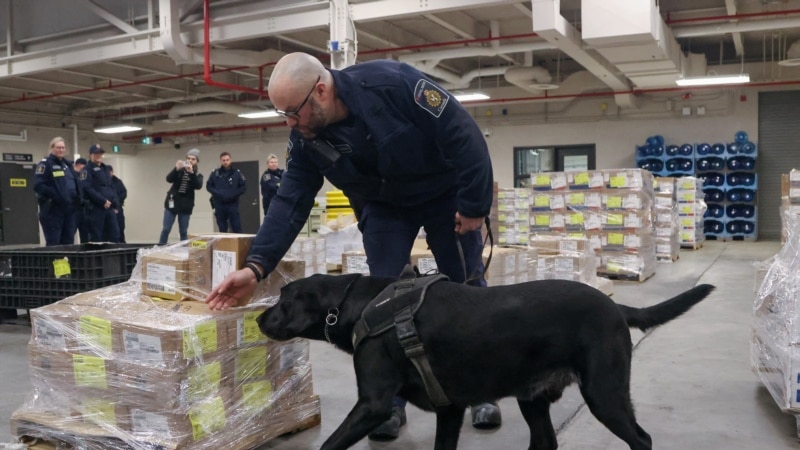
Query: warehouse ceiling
x=101, y=62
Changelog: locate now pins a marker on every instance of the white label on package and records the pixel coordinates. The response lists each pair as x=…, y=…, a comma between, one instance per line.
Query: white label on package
x=357, y=264
x=556, y=201
x=596, y=180
x=427, y=265
x=664, y=201
x=558, y=180
x=664, y=248
x=633, y=221
x=557, y=221
x=631, y=201
x=141, y=346
x=593, y=200
x=152, y=424
x=564, y=265
x=633, y=241
x=291, y=355
x=592, y=221
x=568, y=246
x=161, y=278
x=223, y=263
x=48, y=334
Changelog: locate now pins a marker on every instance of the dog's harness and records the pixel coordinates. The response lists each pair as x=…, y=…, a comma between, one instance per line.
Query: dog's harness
x=392, y=309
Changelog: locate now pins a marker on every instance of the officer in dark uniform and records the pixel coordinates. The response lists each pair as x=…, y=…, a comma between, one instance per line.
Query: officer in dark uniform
x=56, y=187
x=226, y=185
x=122, y=195
x=407, y=155
x=103, y=225
x=81, y=213
x=270, y=181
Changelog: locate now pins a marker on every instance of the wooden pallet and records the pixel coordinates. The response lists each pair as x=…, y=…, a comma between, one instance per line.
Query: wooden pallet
x=625, y=277
x=667, y=259
x=690, y=246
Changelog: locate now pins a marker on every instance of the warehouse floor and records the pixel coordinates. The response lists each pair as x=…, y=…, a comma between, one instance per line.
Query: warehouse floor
x=692, y=385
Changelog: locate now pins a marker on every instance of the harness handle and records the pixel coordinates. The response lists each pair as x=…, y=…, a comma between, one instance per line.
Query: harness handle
x=490, y=238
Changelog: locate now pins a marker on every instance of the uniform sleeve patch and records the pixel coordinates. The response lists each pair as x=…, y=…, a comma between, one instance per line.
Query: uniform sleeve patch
x=40, y=169
x=430, y=97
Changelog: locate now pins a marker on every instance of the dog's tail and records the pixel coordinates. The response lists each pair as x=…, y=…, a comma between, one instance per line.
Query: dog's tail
x=653, y=316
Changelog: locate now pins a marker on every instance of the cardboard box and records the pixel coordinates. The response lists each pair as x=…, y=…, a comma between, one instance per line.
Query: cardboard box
x=177, y=273
x=228, y=252
x=355, y=261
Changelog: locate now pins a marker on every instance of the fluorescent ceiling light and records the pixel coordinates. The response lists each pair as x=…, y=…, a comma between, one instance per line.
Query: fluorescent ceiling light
x=110, y=129
x=259, y=114
x=714, y=80
x=471, y=97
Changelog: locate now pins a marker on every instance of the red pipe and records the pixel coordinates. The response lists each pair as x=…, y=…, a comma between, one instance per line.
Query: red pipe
x=207, y=59
x=733, y=17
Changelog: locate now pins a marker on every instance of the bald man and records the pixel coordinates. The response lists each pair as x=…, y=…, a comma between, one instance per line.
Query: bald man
x=406, y=154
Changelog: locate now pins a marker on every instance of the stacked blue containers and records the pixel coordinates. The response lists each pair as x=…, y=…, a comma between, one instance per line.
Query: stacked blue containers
x=679, y=160
x=741, y=183
x=710, y=163
x=650, y=156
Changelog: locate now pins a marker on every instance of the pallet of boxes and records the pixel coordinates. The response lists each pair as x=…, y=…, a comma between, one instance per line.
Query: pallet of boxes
x=146, y=365
x=775, y=336
x=665, y=208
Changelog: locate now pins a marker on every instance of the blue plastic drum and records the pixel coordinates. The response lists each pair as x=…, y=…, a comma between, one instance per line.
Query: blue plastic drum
x=741, y=136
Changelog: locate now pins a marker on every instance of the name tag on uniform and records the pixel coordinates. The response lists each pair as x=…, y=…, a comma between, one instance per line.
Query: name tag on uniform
x=58, y=173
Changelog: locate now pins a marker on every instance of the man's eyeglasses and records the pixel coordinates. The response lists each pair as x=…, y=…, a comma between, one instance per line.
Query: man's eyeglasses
x=296, y=113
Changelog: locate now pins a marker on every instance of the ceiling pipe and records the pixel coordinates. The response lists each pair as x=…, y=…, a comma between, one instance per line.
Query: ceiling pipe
x=203, y=107
x=717, y=29
x=728, y=17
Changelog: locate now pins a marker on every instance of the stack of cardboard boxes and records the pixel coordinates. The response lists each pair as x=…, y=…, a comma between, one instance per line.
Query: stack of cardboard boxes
x=120, y=367
x=666, y=219
x=691, y=209
x=510, y=216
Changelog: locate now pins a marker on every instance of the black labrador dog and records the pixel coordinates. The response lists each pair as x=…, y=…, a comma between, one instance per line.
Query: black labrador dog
x=528, y=340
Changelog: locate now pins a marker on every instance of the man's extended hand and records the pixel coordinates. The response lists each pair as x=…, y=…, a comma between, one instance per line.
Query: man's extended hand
x=466, y=224
x=239, y=284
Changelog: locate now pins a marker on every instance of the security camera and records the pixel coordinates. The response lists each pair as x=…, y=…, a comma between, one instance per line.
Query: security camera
x=177, y=146
x=487, y=132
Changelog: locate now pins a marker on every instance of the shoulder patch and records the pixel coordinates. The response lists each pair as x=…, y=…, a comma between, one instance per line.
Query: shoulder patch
x=40, y=169
x=430, y=97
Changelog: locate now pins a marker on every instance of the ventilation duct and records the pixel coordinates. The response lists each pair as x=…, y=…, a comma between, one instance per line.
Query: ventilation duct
x=531, y=79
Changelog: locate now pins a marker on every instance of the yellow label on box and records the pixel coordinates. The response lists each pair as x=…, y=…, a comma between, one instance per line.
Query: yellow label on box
x=577, y=198
x=502, y=228
x=250, y=333
x=542, y=220
x=614, y=219
x=616, y=238
x=257, y=396
x=688, y=222
x=686, y=209
x=686, y=237
x=199, y=244
x=614, y=202
x=576, y=219
x=575, y=235
x=200, y=339
x=582, y=178
x=541, y=200
x=61, y=267
x=613, y=267
x=502, y=207
x=89, y=371
x=251, y=363
x=95, y=331
x=207, y=418
x=542, y=180
x=204, y=380
x=502, y=217
x=618, y=181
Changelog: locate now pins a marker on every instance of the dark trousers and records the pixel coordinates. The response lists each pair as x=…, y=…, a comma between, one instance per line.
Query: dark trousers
x=58, y=225
x=121, y=224
x=103, y=225
x=81, y=218
x=225, y=213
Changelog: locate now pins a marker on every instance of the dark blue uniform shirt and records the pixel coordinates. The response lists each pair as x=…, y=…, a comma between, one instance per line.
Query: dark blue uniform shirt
x=226, y=186
x=98, y=186
x=270, y=181
x=55, y=181
x=405, y=142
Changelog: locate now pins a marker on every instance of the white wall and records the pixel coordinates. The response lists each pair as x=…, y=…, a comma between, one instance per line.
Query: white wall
x=614, y=132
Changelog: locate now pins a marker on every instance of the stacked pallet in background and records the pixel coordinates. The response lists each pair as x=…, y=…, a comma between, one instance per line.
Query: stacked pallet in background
x=510, y=216
x=611, y=208
x=312, y=251
x=666, y=219
x=115, y=368
x=565, y=258
x=510, y=265
x=691, y=210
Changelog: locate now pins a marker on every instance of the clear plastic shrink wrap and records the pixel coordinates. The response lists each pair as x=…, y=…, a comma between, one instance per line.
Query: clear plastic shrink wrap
x=775, y=339
x=115, y=368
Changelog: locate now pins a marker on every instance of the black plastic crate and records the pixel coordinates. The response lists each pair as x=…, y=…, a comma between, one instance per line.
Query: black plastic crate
x=28, y=275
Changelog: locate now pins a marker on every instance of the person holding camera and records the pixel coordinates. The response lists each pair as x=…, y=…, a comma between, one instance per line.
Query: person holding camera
x=185, y=179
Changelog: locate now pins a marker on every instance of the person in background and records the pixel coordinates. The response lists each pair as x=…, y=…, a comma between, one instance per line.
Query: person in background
x=56, y=187
x=80, y=214
x=270, y=181
x=407, y=155
x=122, y=194
x=226, y=185
x=103, y=225
x=184, y=178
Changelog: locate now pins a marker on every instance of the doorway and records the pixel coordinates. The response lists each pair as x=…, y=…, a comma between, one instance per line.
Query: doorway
x=249, y=203
x=19, y=223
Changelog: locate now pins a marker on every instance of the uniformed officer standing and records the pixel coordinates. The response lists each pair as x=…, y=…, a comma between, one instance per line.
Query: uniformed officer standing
x=103, y=225
x=122, y=195
x=226, y=185
x=56, y=188
x=270, y=181
x=407, y=155
x=81, y=218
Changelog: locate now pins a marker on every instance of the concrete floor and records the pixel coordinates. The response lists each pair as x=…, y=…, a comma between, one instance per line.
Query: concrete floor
x=692, y=385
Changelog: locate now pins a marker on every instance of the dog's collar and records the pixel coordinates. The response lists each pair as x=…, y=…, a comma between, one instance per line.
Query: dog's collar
x=333, y=312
